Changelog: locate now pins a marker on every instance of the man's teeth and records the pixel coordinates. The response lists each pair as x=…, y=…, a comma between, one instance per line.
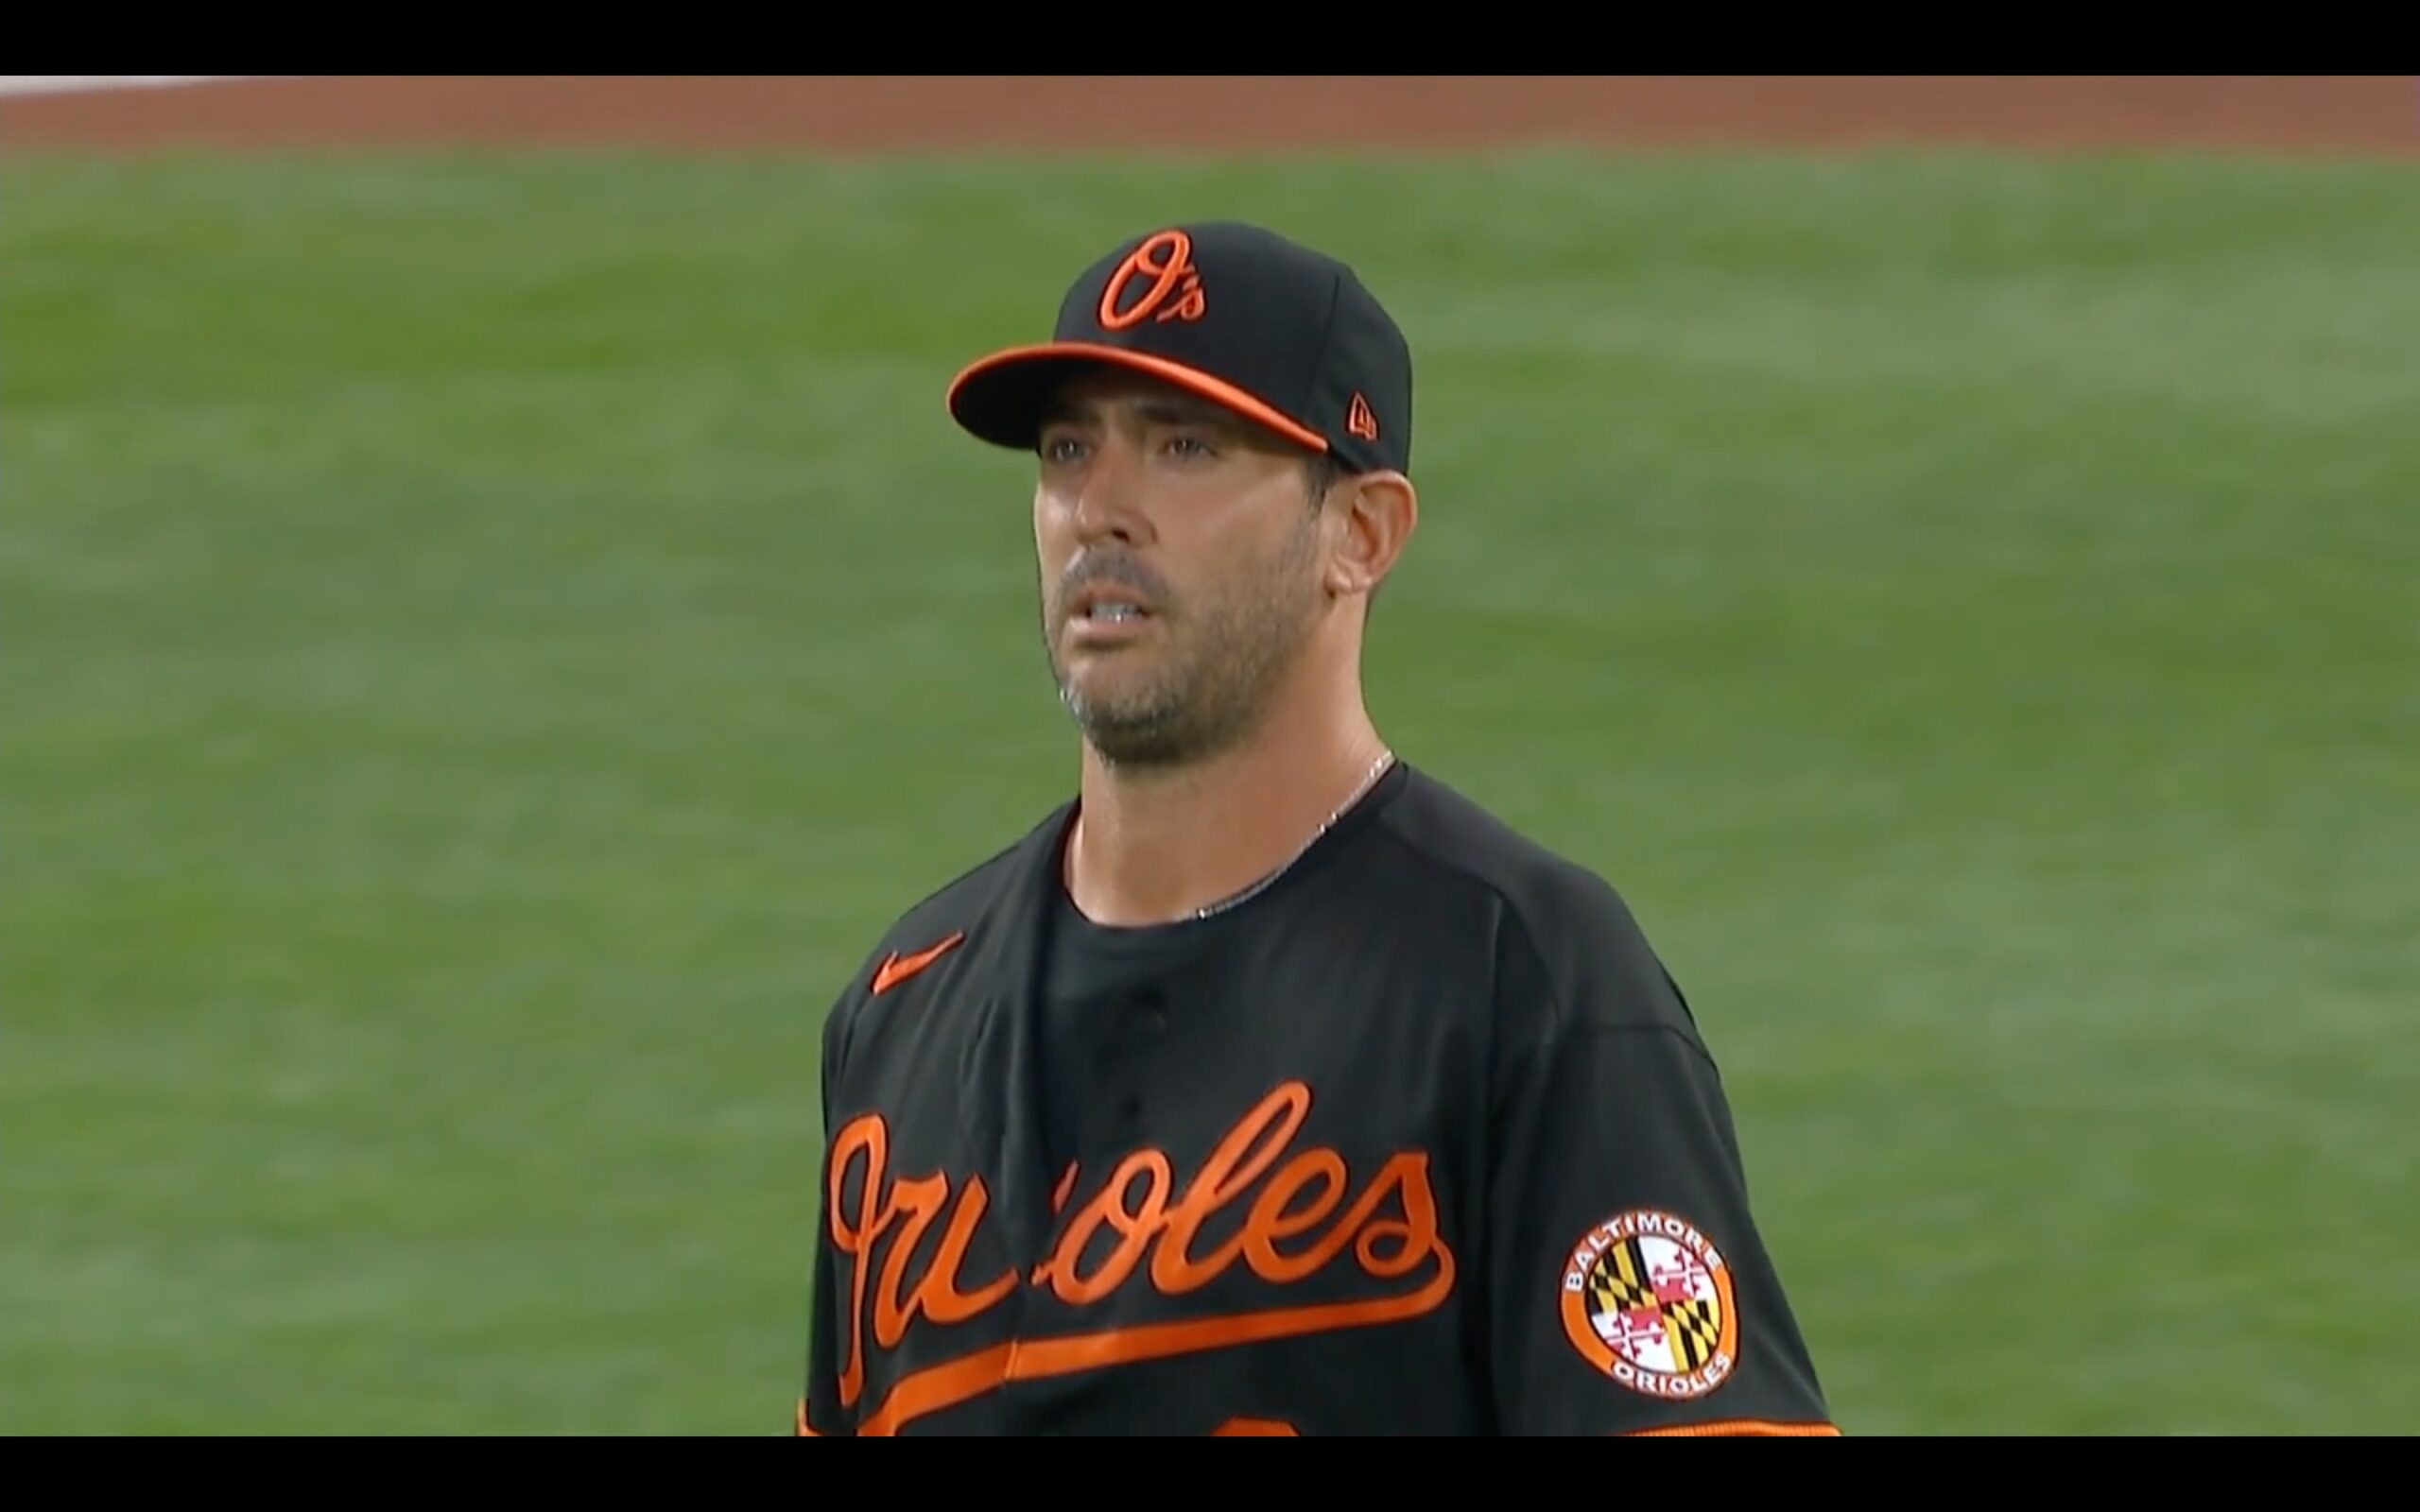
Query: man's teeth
x=1114, y=611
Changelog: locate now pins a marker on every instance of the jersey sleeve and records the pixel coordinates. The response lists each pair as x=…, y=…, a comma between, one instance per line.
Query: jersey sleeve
x=1632, y=1293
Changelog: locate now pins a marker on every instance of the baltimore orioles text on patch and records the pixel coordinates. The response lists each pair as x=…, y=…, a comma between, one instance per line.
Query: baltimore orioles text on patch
x=1647, y=1300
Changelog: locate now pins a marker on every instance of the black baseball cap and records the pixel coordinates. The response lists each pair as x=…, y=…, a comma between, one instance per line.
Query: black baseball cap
x=1237, y=314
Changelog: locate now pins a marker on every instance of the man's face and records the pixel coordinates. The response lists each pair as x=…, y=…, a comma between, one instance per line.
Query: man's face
x=1179, y=558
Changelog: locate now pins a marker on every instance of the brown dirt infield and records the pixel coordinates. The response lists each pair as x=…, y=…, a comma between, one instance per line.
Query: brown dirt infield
x=2376, y=114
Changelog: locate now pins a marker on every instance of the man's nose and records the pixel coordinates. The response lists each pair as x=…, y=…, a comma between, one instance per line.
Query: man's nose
x=1107, y=502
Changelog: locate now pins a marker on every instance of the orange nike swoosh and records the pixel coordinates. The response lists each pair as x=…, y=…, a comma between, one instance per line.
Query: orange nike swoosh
x=898, y=968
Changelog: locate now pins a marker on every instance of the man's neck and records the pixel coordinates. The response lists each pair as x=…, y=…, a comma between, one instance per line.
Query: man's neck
x=1153, y=847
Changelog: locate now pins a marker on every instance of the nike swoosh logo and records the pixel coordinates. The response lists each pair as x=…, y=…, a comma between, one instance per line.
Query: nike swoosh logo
x=898, y=968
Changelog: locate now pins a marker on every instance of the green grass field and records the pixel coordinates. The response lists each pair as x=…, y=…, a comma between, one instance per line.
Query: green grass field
x=492, y=642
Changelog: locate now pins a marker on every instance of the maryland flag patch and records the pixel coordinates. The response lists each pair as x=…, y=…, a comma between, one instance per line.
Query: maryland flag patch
x=1647, y=1300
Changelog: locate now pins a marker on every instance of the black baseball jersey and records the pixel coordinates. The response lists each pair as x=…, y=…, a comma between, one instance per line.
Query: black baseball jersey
x=1421, y=1139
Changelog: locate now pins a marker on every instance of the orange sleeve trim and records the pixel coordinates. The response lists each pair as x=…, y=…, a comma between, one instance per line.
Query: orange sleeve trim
x=1738, y=1428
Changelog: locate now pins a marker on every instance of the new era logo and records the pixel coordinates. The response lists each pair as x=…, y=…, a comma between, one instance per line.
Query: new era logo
x=1359, y=421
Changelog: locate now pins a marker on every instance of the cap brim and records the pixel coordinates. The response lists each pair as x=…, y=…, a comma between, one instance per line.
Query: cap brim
x=1001, y=398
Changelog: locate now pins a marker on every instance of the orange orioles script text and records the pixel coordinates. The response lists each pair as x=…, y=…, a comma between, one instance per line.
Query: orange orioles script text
x=1297, y=1221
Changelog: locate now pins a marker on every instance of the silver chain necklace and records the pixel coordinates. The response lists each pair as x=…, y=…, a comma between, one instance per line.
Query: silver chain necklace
x=1368, y=781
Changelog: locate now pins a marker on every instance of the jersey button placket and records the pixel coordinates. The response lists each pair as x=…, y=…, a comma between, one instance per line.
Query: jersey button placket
x=1152, y=1019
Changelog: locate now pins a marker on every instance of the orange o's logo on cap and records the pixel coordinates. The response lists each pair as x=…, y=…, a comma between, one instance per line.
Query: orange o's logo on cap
x=1166, y=260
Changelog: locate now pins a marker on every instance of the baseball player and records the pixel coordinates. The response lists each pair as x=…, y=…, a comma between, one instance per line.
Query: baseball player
x=1267, y=1085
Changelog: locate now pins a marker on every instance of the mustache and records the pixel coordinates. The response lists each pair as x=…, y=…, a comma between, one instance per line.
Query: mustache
x=1123, y=571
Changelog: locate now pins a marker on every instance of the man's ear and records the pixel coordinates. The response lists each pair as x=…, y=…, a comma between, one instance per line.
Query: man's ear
x=1375, y=515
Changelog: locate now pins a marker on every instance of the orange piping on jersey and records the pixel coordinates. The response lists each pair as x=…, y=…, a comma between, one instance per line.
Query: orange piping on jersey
x=1738, y=1428
x=805, y=1429
x=1253, y=1428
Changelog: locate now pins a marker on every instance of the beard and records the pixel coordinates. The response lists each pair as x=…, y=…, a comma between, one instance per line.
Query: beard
x=1204, y=680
